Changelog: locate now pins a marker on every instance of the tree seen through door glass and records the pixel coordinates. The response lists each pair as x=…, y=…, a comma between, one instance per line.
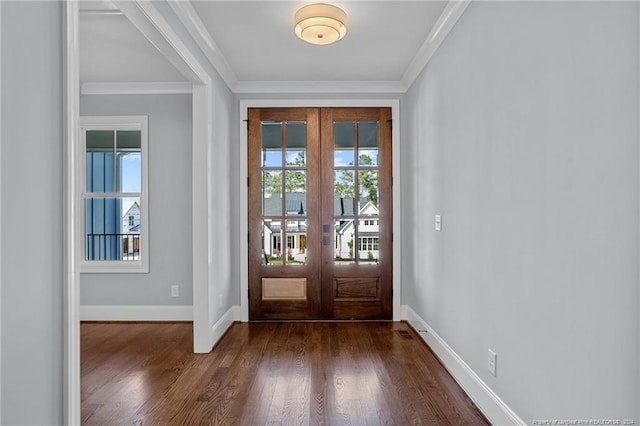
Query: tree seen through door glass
x=272, y=193
x=356, y=192
x=284, y=192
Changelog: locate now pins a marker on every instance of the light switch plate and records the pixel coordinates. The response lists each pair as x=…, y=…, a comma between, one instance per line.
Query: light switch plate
x=491, y=361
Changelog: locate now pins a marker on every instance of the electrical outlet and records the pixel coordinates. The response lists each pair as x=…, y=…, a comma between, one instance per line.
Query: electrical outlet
x=175, y=291
x=491, y=361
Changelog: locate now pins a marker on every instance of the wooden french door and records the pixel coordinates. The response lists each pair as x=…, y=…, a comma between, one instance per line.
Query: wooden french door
x=320, y=213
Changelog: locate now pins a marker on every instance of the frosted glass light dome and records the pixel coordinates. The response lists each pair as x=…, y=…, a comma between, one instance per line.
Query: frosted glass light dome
x=320, y=23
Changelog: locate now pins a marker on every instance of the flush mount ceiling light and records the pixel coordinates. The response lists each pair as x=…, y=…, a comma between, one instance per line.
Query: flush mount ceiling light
x=320, y=23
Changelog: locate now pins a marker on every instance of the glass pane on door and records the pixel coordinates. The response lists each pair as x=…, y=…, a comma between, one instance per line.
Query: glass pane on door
x=369, y=193
x=284, y=192
x=296, y=247
x=344, y=141
x=369, y=242
x=356, y=191
x=368, y=143
x=271, y=144
x=296, y=139
x=344, y=239
x=271, y=193
x=344, y=190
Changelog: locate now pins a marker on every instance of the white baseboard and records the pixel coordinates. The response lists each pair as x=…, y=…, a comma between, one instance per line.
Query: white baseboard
x=136, y=313
x=494, y=408
x=223, y=324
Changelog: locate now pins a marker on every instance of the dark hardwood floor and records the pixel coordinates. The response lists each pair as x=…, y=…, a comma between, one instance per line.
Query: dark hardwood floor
x=303, y=373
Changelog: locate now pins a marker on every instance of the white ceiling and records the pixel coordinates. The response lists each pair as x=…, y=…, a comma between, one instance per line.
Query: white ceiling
x=257, y=41
x=113, y=50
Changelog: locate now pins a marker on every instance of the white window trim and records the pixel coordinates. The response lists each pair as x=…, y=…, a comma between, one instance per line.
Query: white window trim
x=134, y=122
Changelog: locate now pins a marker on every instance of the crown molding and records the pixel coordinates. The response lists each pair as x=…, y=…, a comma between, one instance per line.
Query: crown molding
x=137, y=88
x=98, y=7
x=146, y=17
x=450, y=15
x=198, y=31
x=319, y=87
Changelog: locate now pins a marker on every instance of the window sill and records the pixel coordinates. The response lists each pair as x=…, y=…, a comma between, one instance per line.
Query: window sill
x=114, y=267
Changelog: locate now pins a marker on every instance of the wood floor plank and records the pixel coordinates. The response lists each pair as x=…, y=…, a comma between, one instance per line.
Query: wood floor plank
x=280, y=373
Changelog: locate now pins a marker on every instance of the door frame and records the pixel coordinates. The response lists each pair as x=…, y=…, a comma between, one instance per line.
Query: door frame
x=243, y=229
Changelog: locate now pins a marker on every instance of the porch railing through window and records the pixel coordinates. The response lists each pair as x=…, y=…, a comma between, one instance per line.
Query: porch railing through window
x=112, y=247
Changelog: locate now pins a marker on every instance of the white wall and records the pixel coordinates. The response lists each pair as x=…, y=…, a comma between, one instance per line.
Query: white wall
x=32, y=250
x=523, y=133
x=170, y=219
x=224, y=221
x=214, y=132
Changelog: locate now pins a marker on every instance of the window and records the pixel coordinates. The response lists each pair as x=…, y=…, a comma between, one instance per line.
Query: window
x=277, y=244
x=114, y=194
x=368, y=243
